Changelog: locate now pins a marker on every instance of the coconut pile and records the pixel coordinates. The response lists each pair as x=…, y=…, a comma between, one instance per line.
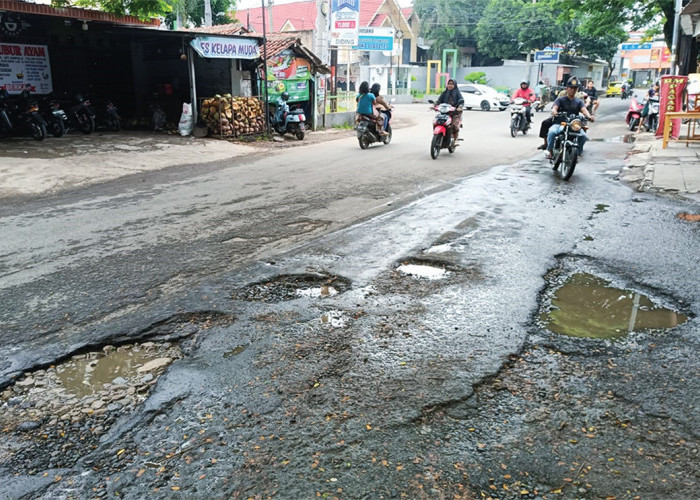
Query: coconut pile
x=233, y=116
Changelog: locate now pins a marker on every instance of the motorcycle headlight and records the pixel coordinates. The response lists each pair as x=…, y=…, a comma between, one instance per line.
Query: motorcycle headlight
x=576, y=125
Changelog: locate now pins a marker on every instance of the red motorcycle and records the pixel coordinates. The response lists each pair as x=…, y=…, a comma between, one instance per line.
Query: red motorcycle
x=634, y=114
x=442, y=128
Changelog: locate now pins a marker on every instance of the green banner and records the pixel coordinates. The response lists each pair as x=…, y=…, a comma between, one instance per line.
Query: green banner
x=298, y=89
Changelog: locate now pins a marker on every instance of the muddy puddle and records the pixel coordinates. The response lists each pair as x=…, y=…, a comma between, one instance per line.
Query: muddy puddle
x=293, y=286
x=626, y=139
x=587, y=306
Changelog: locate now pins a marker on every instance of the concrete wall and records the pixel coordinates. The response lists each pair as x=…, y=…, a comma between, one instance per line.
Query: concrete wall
x=331, y=120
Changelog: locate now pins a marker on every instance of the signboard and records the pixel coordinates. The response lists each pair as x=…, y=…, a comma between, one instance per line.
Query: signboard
x=345, y=21
x=375, y=39
x=298, y=89
x=286, y=66
x=23, y=66
x=219, y=47
x=547, y=56
x=635, y=46
x=671, y=99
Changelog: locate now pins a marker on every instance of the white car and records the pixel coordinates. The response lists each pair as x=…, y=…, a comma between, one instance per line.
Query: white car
x=482, y=97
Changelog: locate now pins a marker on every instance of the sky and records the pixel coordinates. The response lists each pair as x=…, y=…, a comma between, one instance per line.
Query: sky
x=247, y=4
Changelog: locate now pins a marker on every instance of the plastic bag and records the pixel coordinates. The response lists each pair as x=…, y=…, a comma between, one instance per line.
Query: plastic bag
x=186, y=120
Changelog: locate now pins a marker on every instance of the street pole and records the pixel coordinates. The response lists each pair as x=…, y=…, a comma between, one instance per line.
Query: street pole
x=674, y=42
x=264, y=72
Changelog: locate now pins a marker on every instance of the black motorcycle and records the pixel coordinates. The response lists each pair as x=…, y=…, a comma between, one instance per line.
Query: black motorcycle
x=20, y=116
x=566, y=143
x=55, y=118
x=79, y=115
x=105, y=114
x=367, y=132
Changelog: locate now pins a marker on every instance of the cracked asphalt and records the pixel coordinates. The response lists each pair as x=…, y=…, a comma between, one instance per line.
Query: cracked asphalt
x=442, y=388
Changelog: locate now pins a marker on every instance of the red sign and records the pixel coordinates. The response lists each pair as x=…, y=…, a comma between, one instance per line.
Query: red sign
x=671, y=100
x=345, y=25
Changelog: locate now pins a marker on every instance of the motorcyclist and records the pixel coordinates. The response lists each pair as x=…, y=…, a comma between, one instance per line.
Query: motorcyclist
x=593, y=95
x=653, y=91
x=452, y=96
x=365, y=105
x=380, y=105
x=528, y=94
x=571, y=105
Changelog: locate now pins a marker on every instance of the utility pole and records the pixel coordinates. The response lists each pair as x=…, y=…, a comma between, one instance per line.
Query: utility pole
x=674, y=42
x=264, y=72
x=207, y=13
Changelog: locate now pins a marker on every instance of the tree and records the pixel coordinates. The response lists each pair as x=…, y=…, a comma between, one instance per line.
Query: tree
x=449, y=24
x=192, y=12
x=143, y=9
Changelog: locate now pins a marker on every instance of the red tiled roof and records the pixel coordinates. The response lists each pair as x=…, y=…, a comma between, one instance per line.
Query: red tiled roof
x=407, y=12
x=368, y=8
x=220, y=29
x=73, y=13
x=378, y=20
x=301, y=15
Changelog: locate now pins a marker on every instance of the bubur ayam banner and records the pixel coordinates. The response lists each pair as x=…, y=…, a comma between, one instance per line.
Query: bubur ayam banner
x=25, y=66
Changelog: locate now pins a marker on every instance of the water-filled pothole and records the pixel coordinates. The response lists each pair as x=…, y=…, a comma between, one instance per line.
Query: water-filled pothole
x=235, y=351
x=587, y=306
x=335, y=319
x=423, y=271
x=627, y=139
x=88, y=374
x=291, y=286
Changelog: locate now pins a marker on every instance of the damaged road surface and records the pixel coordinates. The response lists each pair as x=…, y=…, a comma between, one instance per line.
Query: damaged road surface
x=430, y=352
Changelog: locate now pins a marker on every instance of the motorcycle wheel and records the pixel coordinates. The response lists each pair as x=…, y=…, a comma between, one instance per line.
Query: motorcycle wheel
x=57, y=128
x=38, y=130
x=86, y=123
x=514, y=126
x=364, y=141
x=114, y=124
x=526, y=128
x=569, y=163
x=387, y=138
x=633, y=124
x=435, y=146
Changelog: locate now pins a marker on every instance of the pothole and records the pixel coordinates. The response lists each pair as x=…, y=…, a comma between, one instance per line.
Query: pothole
x=53, y=416
x=689, y=217
x=587, y=306
x=626, y=139
x=236, y=351
x=334, y=319
x=291, y=286
x=423, y=271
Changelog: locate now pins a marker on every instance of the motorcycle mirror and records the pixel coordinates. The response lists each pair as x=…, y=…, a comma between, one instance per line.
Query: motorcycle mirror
x=431, y=101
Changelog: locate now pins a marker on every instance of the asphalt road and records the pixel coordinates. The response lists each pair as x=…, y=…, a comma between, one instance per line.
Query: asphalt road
x=420, y=388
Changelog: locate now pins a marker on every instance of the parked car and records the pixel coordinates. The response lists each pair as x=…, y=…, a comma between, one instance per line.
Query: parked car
x=614, y=89
x=483, y=97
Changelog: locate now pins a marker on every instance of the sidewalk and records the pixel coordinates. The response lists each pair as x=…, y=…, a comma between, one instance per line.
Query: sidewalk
x=674, y=170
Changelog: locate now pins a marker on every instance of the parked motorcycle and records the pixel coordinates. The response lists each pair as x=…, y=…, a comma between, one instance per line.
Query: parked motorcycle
x=55, y=118
x=287, y=119
x=652, y=121
x=20, y=116
x=566, y=143
x=518, y=117
x=105, y=114
x=367, y=133
x=442, y=128
x=79, y=115
x=634, y=114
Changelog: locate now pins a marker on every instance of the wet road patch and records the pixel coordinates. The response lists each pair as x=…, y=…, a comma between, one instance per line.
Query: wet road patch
x=292, y=286
x=52, y=417
x=423, y=271
x=588, y=306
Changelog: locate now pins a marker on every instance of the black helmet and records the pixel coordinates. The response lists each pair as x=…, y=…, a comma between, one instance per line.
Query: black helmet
x=573, y=82
x=285, y=96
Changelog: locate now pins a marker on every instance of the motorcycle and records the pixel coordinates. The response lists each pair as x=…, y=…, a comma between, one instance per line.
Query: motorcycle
x=105, y=114
x=634, y=114
x=566, y=143
x=79, y=114
x=652, y=121
x=518, y=117
x=625, y=93
x=367, y=132
x=21, y=116
x=55, y=118
x=442, y=128
x=289, y=120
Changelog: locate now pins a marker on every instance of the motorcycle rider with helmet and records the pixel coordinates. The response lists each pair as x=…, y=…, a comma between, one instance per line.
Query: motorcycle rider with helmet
x=282, y=107
x=571, y=105
x=528, y=94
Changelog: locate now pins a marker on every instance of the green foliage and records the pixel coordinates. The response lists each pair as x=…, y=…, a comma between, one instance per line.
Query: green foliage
x=449, y=24
x=476, y=77
x=143, y=9
x=192, y=12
